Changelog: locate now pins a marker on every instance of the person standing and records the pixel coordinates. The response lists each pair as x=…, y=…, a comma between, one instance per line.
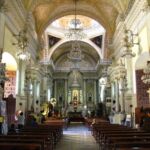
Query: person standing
x=1, y=123
x=21, y=120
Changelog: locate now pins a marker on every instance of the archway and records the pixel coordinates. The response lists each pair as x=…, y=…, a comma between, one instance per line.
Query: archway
x=11, y=68
x=10, y=86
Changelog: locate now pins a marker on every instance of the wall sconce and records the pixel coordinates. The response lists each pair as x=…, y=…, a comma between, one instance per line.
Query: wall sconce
x=129, y=41
x=130, y=37
x=22, y=44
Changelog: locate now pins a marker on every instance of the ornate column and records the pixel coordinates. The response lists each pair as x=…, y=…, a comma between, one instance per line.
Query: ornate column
x=117, y=76
x=84, y=92
x=122, y=93
x=127, y=54
x=66, y=92
x=112, y=93
x=2, y=27
x=2, y=30
x=34, y=90
x=95, y=92
x=29, y=87
x=129, y=77
x=117, y=94
x=55, y=88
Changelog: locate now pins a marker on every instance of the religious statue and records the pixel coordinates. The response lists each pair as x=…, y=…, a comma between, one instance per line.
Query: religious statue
x=75, y=96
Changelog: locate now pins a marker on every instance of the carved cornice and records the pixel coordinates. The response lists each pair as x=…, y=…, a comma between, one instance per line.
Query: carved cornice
x=117, y=72
x=131, y=3
x=131, y=22
x=134, y=13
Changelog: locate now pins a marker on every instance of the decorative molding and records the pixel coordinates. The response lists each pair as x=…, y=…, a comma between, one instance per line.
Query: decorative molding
x=132, y=21
x=117, y=72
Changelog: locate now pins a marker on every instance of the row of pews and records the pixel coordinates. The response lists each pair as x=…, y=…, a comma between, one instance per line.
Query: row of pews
x=42, y=137
x=119, y=137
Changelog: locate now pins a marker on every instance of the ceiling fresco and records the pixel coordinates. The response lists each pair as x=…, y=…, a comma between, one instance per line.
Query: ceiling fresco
x=104, y=11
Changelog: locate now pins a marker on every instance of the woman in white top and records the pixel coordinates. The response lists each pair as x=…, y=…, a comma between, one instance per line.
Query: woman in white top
x=21, y=120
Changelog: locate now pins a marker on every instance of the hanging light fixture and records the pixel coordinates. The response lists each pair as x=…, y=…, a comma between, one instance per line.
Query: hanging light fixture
x=22, y=44
x=129, y=42
x=75, y=54
x=146, y=77
x=75, y=30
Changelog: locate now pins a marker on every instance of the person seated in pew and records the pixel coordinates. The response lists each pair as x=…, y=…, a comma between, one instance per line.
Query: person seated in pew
x=93, y=122
x=31, y=121
x=12, y=128
x=34, y=123
x=42, y=116
x=21, y=120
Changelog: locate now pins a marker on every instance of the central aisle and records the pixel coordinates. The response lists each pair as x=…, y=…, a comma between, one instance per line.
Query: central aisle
x=77, y=137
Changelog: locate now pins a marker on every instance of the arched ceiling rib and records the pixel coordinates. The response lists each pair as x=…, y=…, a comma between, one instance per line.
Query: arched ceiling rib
x=65, y=48
x=88, y=42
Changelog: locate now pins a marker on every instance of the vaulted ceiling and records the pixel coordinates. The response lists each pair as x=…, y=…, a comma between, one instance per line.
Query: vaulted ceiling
x=104, y=11
x=65, y=48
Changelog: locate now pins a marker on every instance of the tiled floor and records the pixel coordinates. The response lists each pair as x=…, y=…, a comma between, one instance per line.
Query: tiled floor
x=77, y=137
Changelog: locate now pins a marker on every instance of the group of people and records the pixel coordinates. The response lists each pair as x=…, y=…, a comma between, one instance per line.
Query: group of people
x=20, y=123
x=30, y=120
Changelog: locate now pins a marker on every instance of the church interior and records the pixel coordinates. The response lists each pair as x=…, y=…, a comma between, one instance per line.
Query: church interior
x=77, y=68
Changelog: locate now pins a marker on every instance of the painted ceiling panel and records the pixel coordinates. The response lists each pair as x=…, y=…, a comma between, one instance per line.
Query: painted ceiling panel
x=104, y=11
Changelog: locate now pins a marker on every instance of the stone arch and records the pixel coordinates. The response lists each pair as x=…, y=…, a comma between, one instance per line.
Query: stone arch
x=98, y=13
x=11, y=63
x=99, y=51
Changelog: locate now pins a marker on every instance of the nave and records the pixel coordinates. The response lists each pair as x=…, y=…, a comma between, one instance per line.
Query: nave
x=77, y=137
x=71, y=60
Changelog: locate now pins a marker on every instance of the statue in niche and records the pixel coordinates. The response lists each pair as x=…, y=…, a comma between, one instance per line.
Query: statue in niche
x=75, y=101
x=75, y=96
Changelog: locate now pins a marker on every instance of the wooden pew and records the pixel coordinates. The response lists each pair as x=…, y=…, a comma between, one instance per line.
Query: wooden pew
x=131, y=146
x=28, y=138
x=112, y=141
x=48, y=138
x=44, y=135
x=114, y=137
x=54, y=132
x=20, y=146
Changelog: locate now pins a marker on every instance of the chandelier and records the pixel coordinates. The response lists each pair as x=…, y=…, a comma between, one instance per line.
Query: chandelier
x=129, y=43
x=75, y=30
x=146, y=77
x=75, y=34
x=22, y=44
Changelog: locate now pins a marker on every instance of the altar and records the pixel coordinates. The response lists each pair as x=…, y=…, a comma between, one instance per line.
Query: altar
x=75, y=117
